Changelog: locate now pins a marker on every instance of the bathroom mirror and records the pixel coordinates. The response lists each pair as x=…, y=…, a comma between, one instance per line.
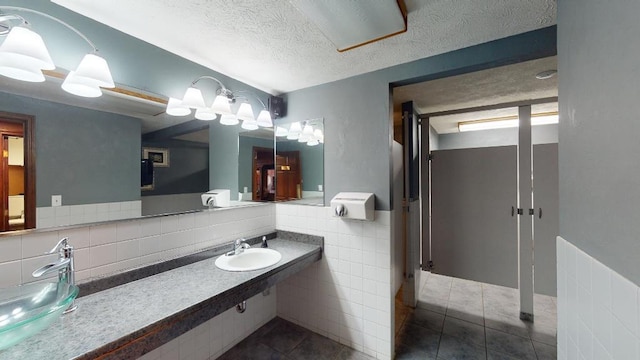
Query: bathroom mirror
x=299, y=163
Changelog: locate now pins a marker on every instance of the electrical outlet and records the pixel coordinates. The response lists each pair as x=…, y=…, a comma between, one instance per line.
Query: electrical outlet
x=56, y=200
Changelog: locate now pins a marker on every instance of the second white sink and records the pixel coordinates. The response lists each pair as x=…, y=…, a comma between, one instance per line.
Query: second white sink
x=249, y=259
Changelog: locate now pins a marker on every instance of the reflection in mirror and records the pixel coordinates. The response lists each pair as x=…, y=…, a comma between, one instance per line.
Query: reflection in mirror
x=300, y=162
x=256, y=174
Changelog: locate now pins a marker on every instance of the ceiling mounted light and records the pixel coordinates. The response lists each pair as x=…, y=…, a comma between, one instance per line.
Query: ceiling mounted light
x=175, y=108
x=350, y=24
x=507, y=122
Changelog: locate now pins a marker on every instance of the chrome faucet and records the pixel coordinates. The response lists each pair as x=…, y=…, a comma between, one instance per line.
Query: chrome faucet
x=238, y=247
x=64, y=265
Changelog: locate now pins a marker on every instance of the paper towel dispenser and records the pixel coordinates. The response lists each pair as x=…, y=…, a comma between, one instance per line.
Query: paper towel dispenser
x=216, y=198
x=354, y=205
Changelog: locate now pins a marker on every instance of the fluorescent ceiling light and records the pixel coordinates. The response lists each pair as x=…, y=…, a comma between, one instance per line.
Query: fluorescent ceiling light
x=349, y=24
x=506, y=122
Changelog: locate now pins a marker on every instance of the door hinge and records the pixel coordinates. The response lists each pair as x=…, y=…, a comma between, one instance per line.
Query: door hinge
x=532, y=212
x=520, y=211
x=429, y=157
x=428, y=266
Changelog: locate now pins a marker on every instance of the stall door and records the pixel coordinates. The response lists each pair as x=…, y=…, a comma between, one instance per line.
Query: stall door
x=474, y=230
x=546, y=217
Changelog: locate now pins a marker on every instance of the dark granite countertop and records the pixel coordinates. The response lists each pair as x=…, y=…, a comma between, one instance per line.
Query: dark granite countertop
x=132, y=319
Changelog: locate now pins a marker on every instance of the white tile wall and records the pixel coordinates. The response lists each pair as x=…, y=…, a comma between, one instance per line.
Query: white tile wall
x=598, y=309
x=111, y=248
x=214, y=337
x=47, y=217
x=347, y=296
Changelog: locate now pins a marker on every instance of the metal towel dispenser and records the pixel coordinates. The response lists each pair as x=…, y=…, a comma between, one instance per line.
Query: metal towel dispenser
x=354, y=205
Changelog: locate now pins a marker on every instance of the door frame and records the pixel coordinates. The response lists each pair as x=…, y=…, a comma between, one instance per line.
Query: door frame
x=28, y=128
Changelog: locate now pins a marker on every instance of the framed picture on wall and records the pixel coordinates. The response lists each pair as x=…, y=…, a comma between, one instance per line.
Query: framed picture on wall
x=159, y=157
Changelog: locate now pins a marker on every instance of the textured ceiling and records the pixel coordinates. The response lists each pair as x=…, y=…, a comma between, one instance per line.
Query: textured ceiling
x=499, y=85
x=277, y=50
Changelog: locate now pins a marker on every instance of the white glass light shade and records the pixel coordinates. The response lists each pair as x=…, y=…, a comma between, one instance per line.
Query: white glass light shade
x=221, y=105
x=193, y=98
x=245, y=112
x=229, y=119
x=264, y=119
x=302, y=137
x=280, y=131
x=249, y=124
x=27, y=49
x=80, y=86
x=175, y=108
x=95, y=68
x=317, y=133
x=205, y=114
x=11, y=67
x=313, y=142
x=293, y=136
x=296, y=128
x=307, y=130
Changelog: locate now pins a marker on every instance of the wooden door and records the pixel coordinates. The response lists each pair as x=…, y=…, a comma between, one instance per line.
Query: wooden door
x=288, y=175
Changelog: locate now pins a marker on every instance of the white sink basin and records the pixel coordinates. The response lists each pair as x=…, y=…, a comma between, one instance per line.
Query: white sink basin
x=250, y=259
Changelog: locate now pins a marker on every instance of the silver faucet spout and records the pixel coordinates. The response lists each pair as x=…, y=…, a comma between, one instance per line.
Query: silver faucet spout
x=64, y=265
x=238, y=247
x=59, y=264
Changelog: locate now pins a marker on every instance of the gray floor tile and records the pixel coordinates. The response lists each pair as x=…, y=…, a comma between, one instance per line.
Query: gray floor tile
x=513, y=345
x=427, y=319
x=495, y=355
x=316, y=347
x=285, y=336
x=466, y=311
x=473, y=333
x=350, y=354
x=453, y=348
x=543, y=334
x=416, y=340
x=432, y=303
x=256, y=352
x=508, y=324
x=545, y=352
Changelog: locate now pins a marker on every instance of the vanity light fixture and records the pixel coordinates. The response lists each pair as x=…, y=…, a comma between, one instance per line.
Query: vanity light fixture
x=23, y=56
x=280, y=131
x=303, y=132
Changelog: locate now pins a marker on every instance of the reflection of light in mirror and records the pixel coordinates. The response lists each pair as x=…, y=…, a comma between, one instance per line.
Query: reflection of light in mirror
x=17, y=313
x=245, y=112
x=229, y=119
x=264, y=119
x=280, y=131
x=313, y=142
x=317, y=133
x=205, y=114
x=249, y=125
x=295, y=128
x=175, y=108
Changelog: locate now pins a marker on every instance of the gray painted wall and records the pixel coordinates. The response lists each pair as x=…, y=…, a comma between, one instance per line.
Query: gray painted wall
x=245, y=160
x=434, y=139
x=542, y=134
x=188, y=170
x=86, y=156
x=312, y=161
x=223, y=157
x=598, y=155
x=356, y=111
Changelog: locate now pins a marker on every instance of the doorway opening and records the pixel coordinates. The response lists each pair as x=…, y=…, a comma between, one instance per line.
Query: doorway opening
x=263, y=180
x=17, y=183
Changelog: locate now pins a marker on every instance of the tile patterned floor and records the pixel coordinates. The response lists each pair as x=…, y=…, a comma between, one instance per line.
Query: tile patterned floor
x=455, y=319
x=280, y=339
x=462, y=319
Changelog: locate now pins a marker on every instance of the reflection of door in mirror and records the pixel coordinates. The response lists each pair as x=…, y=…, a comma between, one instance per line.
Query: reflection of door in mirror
x=288, y=175
x=262, y=182
x=13, y=184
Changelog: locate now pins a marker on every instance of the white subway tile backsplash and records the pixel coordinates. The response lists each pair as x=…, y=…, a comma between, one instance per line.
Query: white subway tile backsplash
x=10, y=273
x=38, y=243
x=127, y=230
x=601, y=323
x=103, y=234
x=103, y=255
x=11, y=249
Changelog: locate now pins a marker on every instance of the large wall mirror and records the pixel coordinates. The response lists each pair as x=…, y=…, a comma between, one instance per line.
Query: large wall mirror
x=89, y=159
x=299, y=163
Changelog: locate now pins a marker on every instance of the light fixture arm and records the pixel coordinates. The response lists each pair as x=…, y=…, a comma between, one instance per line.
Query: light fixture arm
x=16, y=8
x=254, y=95
x=223, y=91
